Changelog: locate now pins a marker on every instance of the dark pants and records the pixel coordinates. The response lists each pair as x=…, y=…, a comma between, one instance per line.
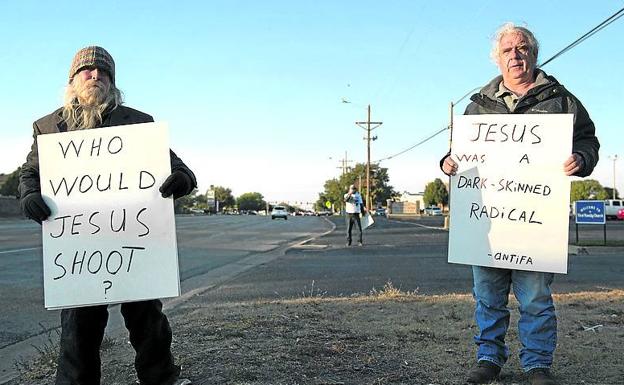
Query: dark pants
x=83, y=331
x=353, y=218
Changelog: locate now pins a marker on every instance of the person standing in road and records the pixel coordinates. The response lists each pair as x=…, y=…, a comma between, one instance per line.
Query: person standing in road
x=92, y=100
x=354, y=206
x=522, y=88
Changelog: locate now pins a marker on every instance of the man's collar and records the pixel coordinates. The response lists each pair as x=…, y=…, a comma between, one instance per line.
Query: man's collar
x=540, y=79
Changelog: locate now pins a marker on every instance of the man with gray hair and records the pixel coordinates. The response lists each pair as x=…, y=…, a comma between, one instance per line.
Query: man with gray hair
x=522, y=88
x=92, y=100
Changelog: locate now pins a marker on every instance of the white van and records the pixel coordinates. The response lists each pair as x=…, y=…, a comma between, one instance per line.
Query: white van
x=612, y=206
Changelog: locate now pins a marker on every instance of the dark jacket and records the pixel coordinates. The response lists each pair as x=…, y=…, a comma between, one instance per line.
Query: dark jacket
x=53, y=123
x=548, y=98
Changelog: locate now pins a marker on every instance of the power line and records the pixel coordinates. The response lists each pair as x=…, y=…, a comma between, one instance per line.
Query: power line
x=578, y=41
x=586, y=36
x=414, y=146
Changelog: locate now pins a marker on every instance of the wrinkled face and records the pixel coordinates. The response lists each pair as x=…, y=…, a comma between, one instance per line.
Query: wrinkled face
x=516, y=59
x=91, y=85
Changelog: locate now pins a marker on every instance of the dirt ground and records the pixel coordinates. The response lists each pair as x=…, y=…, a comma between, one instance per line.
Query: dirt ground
x=386, y=337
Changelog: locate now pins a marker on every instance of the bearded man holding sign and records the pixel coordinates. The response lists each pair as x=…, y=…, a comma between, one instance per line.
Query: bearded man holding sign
x=522, y=88
x=92, y=100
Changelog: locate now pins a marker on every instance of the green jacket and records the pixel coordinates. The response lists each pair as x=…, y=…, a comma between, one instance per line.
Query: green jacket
x=548, y=98
x=53, y=123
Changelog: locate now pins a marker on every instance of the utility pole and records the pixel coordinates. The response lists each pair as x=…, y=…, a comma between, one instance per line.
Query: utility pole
x=447, y=219
x=344, y=164
x=367, y=126
x=614, y=158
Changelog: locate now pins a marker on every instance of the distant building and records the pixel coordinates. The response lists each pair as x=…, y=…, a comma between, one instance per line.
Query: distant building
x=407, y=203
x=407, y=196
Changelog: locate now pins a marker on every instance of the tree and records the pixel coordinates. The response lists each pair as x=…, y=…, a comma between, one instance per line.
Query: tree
x=184, y=204
x=609, y=191
x=587, y=189
x=381, y=191
x=435, y=193
x=334, y=191
x=9, y=187
x=319, y=205
x=251, y=201
x=224, y=196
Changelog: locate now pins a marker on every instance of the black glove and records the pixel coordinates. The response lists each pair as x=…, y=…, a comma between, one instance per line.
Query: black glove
x=178, y=184
x=34, y=207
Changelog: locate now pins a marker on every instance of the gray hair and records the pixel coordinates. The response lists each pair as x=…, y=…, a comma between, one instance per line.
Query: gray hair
x=509, y=28
x=79, y=116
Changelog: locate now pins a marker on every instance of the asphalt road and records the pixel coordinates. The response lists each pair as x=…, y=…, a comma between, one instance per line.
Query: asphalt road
x=412, y=254
x=251, y=257
x=210, y=249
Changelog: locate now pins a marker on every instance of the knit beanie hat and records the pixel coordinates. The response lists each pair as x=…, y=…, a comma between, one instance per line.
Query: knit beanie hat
x=93, y=56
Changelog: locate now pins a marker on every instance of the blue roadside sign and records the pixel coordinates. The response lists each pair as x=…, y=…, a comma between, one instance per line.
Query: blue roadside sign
x=590, y=212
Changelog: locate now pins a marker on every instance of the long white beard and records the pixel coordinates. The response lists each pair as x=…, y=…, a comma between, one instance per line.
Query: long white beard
x=88, y=104
x=86, y=118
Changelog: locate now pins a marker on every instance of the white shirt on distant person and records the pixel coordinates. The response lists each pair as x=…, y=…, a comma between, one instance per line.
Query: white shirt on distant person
x=353, y=202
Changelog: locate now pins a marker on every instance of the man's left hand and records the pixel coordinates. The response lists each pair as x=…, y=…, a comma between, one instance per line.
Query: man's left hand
x=573, y=164
x=177, y=184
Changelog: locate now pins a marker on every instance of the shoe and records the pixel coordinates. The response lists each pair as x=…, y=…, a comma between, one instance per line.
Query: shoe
x=483, y=373
x=541, y=376
x=348, y=243
x=360, y=243
x=179, y=381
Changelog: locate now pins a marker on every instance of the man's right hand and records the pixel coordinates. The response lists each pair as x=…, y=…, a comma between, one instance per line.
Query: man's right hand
x=35, y=208
x=449, y=167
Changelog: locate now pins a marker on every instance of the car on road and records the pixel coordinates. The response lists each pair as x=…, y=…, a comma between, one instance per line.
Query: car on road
x=612, y=207
x=620, y=214
x=380, y=212
x=433, y=210
x=279, y=212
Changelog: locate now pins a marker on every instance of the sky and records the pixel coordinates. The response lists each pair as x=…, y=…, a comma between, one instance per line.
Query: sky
x=253, y=92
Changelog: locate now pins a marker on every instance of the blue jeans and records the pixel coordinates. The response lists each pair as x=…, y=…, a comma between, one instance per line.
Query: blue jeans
x=537, y=326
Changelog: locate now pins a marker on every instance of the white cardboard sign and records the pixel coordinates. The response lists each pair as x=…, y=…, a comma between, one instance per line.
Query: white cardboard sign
x=509, y=199
x=367, y=220
x=111, y=236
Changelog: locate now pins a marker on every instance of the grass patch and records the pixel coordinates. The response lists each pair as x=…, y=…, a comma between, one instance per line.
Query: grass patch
x=44, y=364
x=384, y=337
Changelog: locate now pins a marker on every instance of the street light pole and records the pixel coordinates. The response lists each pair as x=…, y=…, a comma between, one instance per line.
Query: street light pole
x=614, y=158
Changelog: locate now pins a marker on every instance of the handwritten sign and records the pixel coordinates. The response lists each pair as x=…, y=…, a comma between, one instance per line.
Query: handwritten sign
x=111, y=236
x=509, y=199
